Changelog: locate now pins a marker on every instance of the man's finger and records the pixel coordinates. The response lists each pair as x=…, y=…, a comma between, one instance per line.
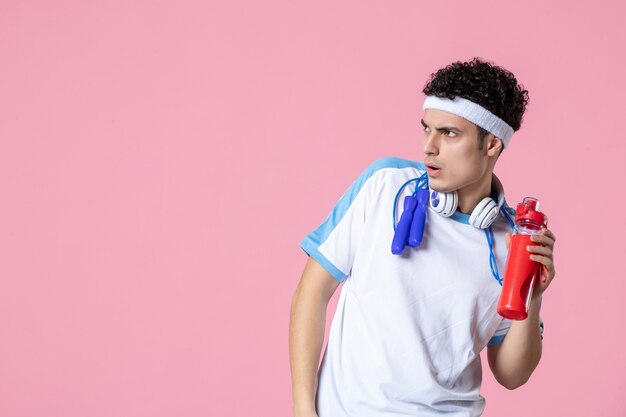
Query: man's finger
x=541, y=250
x=543, y=239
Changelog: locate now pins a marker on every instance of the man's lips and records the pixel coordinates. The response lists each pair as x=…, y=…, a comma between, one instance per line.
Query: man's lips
x=432, y=170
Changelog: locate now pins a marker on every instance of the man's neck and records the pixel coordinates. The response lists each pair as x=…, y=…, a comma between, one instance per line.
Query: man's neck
x=470, y=196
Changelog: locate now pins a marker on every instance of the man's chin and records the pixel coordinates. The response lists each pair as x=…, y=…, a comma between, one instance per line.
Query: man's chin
x=440, y=188
x=443, y=190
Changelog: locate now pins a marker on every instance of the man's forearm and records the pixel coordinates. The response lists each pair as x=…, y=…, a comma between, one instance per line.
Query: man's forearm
x=518, y=355
x=306, y=337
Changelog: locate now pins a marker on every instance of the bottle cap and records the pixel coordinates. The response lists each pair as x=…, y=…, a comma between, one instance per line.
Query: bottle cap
x=528, y=210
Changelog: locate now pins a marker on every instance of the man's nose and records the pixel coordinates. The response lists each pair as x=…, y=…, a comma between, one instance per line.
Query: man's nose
x=430, y=144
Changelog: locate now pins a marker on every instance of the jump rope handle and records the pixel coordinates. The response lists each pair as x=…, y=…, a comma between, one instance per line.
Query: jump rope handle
x=417, y=226
x=401, y=236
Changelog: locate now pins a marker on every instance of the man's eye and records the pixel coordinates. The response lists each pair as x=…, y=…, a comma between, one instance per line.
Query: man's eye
x=450, y=133
x=426, y=128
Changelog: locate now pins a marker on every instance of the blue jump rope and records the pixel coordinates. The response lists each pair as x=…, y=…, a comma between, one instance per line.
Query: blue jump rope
x=410, y=228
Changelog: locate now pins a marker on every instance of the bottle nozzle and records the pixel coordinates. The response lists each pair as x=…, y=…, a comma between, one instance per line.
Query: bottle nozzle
x=528, y=211
x=532, y=203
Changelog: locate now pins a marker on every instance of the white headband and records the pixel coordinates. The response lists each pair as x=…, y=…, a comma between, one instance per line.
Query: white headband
x=473, y=112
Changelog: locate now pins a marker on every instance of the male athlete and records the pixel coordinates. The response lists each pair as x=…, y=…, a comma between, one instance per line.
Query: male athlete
x=409, y=327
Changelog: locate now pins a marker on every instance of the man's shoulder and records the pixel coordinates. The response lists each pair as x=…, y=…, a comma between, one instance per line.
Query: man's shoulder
x=394, y=162
x=390, y=167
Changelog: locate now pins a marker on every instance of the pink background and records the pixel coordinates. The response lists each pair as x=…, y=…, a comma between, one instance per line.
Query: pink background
x=160, y=161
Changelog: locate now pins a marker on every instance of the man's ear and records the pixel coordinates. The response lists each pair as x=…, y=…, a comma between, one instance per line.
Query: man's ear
x=494, y=145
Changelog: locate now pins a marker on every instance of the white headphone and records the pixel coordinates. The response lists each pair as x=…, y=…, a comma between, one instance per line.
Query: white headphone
x=483, y=215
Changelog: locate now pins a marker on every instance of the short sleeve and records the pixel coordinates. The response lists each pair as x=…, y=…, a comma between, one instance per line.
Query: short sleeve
x=335, y=242
x=502, y=330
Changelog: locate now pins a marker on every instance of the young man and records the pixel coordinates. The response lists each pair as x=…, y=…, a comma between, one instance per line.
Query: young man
x=409, y=328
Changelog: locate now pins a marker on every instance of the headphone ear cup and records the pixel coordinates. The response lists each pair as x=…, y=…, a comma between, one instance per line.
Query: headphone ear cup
x=484, y=214
x=443, y=203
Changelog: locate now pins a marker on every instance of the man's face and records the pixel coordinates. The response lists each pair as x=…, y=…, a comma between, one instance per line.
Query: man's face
x=451, y=153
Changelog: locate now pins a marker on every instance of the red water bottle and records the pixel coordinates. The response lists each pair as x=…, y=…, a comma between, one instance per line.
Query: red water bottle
x=521, y=272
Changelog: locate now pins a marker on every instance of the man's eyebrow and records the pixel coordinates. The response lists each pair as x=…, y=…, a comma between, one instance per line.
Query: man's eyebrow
x=444, y=128
x=449, y=129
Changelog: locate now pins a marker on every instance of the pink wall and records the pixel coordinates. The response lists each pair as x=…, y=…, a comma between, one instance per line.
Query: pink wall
x=160, y=162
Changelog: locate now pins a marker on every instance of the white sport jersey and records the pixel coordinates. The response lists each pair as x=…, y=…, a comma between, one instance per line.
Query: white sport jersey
x=408, y=330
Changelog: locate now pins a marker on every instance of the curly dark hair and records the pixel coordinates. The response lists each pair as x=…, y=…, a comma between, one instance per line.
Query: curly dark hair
x=484, y=83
